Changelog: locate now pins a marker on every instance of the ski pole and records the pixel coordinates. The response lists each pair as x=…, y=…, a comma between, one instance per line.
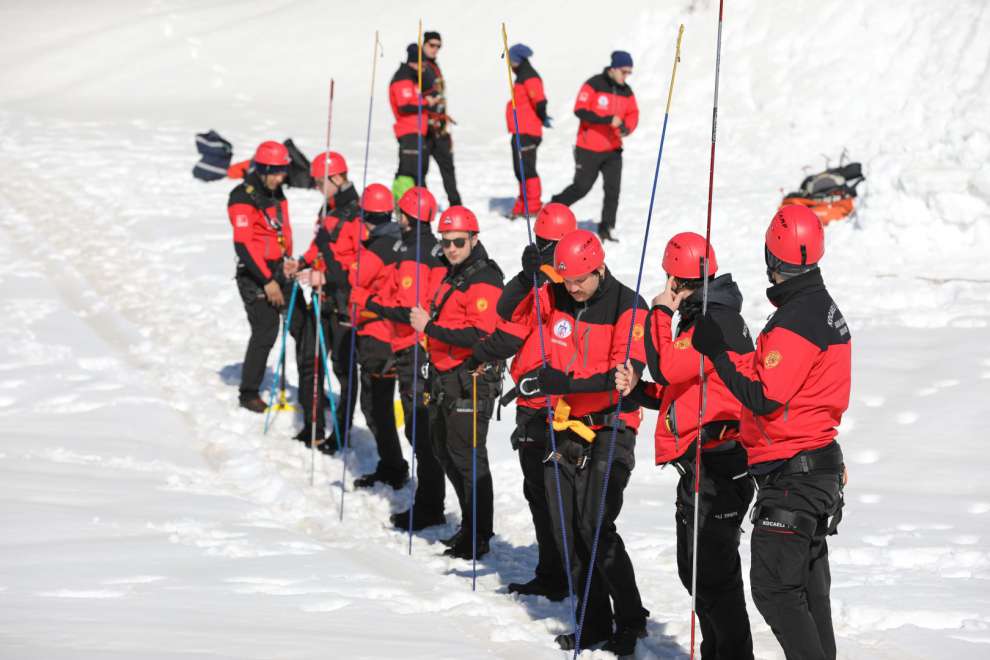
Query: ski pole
x=327, y=372
x=419, y=213
x=474, y=481
x=280, y=366
x=316, y=391
x=543, y=351
x=703, y=391
x=349, y=413
x=629, y=338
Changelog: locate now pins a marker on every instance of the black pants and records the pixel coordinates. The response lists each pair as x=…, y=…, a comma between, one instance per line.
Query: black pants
x=613, y=581
x=725, y=493
x=304, y=356
x=531, y=439
x=377, y=365
x=441, y=148
x=428, y=501
x=587, y=165
x=452, y=433
x=265, y=327
x=789, y=574
x=529, y=145
x=409, y=156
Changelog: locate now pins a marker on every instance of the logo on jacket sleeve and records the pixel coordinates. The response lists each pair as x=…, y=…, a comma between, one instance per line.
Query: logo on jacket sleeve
x=482, y=304
x=583, y=96
x=406, y=92
x=602, y=101
x=562, y=329
x=772, y=359
x=407, y=282
x=241, y=220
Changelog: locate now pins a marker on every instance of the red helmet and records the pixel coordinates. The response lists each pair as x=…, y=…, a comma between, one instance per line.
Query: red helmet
x=419, y=203
x=684, y=256
x=578, y=253
x=795, y=236
x=270, y=152
x=377, y=199
x=554, y=221
x=327, y=164
x=458, y=218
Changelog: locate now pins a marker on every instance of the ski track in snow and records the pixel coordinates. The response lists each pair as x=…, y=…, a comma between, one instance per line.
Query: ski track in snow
x=120, y=358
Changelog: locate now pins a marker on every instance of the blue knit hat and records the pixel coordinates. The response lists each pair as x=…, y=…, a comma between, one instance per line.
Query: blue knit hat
x=520, y=52
x=621, y=58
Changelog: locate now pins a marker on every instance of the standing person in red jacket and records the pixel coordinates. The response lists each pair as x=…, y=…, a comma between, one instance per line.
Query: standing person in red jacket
x=587, y=318
x=395, y=303
x=531, y=109
x=726, y=488
x=259, y=214
x=374, y=340
x=462, y=313
x=439, y=143
x=793, y=394
x=608, y=112
x=518, y=337
x=404, y=97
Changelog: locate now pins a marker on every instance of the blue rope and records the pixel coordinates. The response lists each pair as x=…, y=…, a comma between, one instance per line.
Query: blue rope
x=280, y=366
x=618, y=406
x=326, y=373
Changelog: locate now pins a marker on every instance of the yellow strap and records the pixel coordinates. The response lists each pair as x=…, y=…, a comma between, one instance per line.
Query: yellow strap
x=562, y=422
x=551, y=274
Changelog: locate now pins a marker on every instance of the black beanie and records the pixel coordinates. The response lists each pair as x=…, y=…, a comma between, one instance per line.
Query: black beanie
x=412, y=53
x=431, y=35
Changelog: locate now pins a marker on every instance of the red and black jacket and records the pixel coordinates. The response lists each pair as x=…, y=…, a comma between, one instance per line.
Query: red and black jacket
x=395, y=301
x=434, y=85
x=372, y=277
x=674, y=363
x=262, y=231
x=531, y=102
x=587, y=340
x=403, y=96
x=600, y=99
x=796, y=387
x=463, y=309
x=328, y=232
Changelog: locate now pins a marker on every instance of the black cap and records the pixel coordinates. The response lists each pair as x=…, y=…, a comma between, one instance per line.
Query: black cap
x=412, y=53
x=431, y=35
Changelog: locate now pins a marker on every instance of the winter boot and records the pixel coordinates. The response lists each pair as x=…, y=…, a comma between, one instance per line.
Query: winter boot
x=624, y=640
x=518, y=207
x=462, y=549
x=396, y=480
x=420, y=521
x=588, y=640
x=537, y=587
x=533, y=192
x=253, y=402
x=451, y=541
x=605, y=234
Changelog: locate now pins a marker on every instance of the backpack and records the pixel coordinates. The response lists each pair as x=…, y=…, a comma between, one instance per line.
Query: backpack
x=829, y=193
x=299, y=167
x=215, y=153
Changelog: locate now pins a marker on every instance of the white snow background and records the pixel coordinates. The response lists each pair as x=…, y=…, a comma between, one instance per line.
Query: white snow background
x=143, y=515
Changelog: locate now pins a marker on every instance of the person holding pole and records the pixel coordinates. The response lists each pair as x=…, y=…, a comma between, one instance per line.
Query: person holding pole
x=531, y=110
x=405, y=98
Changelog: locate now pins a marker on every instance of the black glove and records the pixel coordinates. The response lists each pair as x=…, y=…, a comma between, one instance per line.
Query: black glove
x=530, y=261
x=623, y=129
x=707, y=338
x=553, y=381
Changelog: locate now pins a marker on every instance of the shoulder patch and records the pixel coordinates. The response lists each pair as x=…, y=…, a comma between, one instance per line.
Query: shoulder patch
x=241, y=220
x=562, y=329
x=683, y=343
x=638, y=332
x=407, y=282
x=481, y=304
x=772, y=359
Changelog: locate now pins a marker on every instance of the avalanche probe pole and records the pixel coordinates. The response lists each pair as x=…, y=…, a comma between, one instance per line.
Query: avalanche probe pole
x=703, y=392
x=348, y=412
x=474, y=482
x=543, y=350
x=279, y=374
x=629, y=340
x=419, y=213
x=316, y=389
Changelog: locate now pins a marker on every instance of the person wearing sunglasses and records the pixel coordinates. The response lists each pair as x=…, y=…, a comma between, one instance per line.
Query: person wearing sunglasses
x=608, y=112
x=405, y=99
x=531, y=109
x=439, y=143
x=587, y=320
x=460, y=314
x=259, y=215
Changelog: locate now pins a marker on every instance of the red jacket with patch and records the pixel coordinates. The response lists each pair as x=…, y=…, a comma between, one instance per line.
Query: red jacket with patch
x=262, y=231
x=674, y=363
x=463, y=309
x=531, y=102
x=797, y=386
x=600, y=99
x=374, y=277
x=403, y=96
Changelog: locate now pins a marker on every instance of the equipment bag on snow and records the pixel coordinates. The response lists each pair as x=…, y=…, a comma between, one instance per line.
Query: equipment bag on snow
x=299, y=167
x=215, y=153
x=830, y=193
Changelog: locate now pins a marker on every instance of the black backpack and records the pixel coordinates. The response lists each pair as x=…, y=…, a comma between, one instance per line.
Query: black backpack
x=215, y=153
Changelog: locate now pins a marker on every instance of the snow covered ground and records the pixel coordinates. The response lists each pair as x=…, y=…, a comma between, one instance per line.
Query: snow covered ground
x=145, y=516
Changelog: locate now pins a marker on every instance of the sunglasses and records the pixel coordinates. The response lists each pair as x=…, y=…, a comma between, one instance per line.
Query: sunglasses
x=433, y=44
x=456, y=242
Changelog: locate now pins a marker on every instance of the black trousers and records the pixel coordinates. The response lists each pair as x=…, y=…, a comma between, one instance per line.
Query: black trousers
x=613, y=581
x=532, y=442
x=409, y=156
x=265, y=327
x=529, y=145
x=789, y=574
x=428, y=501
x=587, y=165
x=377, y=365
x=304, y=356
x=725, y=493
x=452, y=433
x=441, y=148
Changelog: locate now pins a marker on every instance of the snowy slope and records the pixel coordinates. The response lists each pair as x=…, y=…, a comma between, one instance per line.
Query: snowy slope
x=145, y=516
